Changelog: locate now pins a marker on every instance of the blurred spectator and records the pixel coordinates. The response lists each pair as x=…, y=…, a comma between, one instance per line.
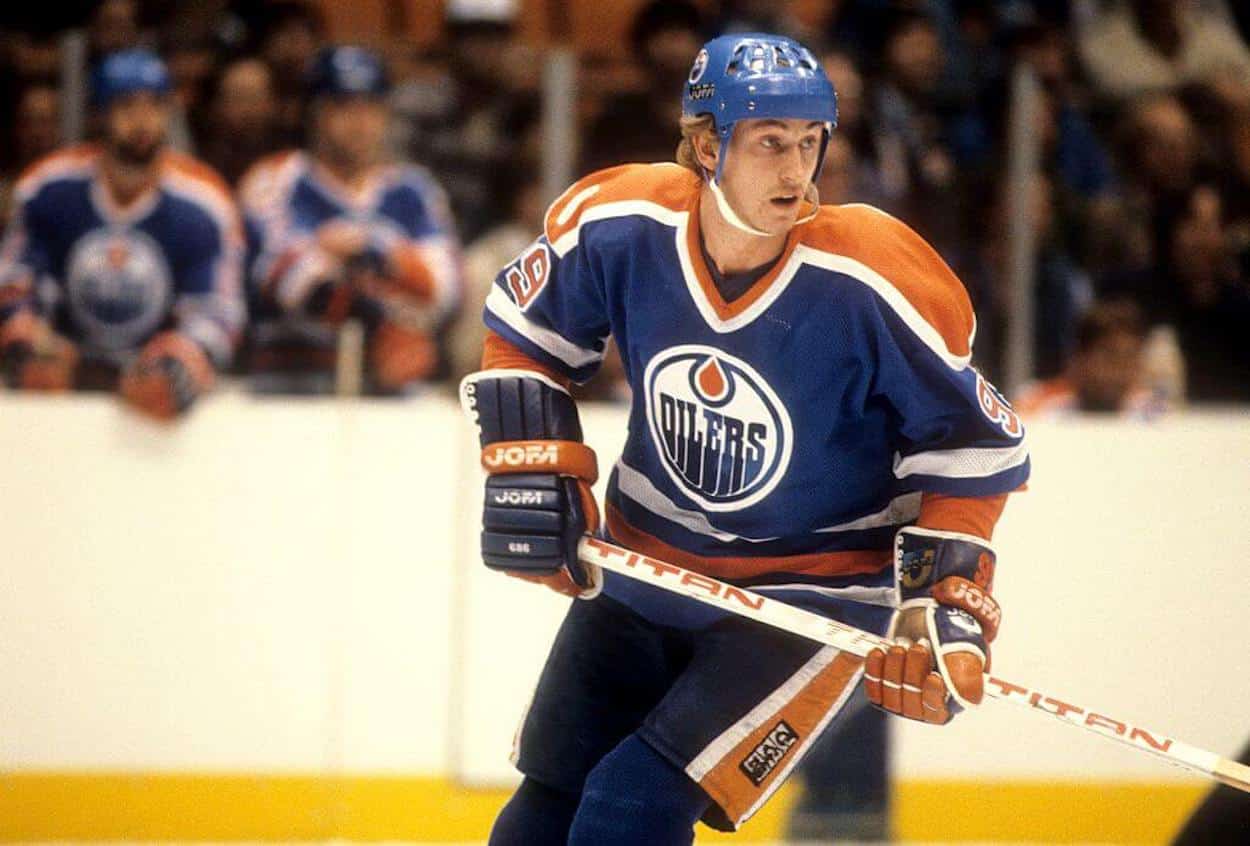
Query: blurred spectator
x=1135, y=47
x=290, y=33
x=1106, y=372
x=492, y=95
x=1073, y=155
x=1163, y=147
x=775, y=16
x=1160, y=163
x=37, y=124
x=114, y=26
x=35, y=56
x=192, y=62
x=923, y=143
x=340, y=233
x=122, y=264
x=1061, y=288
x=242, y=117
x=1198, y=285
x=36, y=133
x=640, y=126
x=849, y=173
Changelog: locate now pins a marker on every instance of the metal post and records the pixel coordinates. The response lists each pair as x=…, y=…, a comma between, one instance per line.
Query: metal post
x=559, y=121
x=73, y=86
x=1023, y=157
x=349, y=361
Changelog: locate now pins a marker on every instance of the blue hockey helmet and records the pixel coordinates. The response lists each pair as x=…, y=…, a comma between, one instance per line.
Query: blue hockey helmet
x=348, y=71
x=756, y=75
x=128, y=72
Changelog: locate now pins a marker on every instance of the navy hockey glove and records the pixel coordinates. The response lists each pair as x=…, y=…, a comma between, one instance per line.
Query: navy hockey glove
x=538, y=497
x=942, y=630
x=169, y=375
x=35, y=358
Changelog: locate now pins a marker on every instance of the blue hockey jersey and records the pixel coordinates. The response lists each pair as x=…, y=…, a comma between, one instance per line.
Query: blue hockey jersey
x=111, y=277
x=787, y=435
x=288, y=199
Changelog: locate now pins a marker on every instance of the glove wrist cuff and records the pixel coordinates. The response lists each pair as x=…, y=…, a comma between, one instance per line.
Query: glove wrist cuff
x=925, y=557
x=563, y=458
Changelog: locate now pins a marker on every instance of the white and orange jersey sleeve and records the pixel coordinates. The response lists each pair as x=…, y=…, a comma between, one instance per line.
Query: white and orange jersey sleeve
x=284, y=260
x=419, y=242
x=209, y=305
x=956, y=434
x=23, y=253
x=549, y=302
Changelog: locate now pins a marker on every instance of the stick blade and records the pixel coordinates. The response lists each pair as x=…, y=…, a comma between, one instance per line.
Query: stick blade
x=1233, y=774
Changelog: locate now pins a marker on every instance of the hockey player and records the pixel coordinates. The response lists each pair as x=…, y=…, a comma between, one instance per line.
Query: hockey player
x=804, y=421
x=122, y=263
x=338, y=232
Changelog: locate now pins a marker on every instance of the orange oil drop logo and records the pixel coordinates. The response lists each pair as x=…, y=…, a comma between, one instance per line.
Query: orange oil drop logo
x=711, y=380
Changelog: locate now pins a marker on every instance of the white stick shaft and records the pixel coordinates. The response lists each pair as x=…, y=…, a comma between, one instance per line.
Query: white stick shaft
x=756, y=606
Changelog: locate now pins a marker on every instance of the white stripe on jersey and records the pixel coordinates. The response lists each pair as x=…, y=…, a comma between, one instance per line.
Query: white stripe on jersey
x=553, y=343
x=883, y=596
x=902, y=509
x=623, y=208
x=635, y=485
x=967, y=463
x=65, y=165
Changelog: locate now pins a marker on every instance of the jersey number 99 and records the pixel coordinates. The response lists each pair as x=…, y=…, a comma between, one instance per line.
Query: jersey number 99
x=997, y=409
x=528, y=276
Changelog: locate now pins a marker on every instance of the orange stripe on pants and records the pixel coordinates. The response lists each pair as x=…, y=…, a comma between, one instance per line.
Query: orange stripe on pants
x=750, y=769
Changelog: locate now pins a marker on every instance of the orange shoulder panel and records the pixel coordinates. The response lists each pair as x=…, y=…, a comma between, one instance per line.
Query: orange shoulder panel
x=194, y=170
x=892, y=249
x=669, y=185
x=262, y=171
x=78, y=154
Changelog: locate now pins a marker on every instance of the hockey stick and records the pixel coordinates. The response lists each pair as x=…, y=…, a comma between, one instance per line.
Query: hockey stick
x=755, y=606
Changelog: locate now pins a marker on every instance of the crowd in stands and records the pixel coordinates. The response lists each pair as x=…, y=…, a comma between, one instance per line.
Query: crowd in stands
x=1140, y=209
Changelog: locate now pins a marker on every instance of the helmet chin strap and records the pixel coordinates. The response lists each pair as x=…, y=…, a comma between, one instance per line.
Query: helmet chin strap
x=812, y=195
x=727, y=212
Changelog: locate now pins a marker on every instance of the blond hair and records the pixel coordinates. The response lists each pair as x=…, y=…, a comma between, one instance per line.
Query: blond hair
x=692, y=127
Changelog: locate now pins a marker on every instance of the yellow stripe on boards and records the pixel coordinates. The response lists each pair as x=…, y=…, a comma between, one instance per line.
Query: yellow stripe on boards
x=1043, y=812
x=273, y=808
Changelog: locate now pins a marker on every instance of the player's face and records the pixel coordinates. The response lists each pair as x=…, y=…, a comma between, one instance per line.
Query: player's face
x=135, y=127
x=770, y=166
x=1108, y=371
x=352, y=130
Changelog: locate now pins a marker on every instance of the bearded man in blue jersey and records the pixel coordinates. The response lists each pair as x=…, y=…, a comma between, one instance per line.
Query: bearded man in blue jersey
x=122, y=265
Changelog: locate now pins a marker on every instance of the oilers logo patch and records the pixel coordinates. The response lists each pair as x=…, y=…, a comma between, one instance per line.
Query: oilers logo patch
x=700, y=65
x=722, y=434
x=118, y=287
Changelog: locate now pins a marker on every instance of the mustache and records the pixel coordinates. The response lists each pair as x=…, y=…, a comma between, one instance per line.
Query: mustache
x=137, y=152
